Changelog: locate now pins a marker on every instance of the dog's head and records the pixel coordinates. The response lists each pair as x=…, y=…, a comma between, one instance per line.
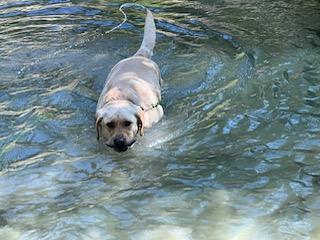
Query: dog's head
x=118, y=123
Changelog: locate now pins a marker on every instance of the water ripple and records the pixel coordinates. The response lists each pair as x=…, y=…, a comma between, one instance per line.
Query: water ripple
x=235, y=156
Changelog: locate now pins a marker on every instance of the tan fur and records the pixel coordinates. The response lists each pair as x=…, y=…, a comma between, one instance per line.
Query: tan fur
x=132, y=89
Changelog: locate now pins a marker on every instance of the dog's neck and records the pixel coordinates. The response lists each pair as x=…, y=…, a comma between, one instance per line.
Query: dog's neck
x=151, y=107
x=118, y=95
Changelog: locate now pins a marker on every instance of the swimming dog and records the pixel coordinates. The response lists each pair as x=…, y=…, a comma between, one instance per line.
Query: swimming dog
x=130, y=99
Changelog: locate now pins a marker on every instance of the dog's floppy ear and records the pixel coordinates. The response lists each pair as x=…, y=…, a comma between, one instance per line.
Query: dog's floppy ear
x=98, y=125
x=140, y=122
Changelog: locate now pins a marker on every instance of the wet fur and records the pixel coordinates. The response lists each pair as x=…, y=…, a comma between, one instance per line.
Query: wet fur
x=131, y=89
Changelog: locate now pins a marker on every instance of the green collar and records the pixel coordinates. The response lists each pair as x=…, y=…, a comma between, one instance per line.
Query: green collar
x=151, y=107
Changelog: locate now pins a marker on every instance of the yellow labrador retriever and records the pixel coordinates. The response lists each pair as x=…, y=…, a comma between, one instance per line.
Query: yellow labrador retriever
x=130, y=100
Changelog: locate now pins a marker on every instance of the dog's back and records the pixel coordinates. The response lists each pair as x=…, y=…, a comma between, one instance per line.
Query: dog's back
x=138, y=64
x=138, y=73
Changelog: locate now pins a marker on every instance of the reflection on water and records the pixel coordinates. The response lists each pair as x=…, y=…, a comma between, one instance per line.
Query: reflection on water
x=235, y=157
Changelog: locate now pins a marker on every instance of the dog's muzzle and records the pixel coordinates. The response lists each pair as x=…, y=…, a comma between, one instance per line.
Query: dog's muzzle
x=120, y=144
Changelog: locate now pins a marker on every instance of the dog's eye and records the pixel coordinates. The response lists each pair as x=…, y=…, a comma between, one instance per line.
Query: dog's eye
x=127, y=123
x=111, y=125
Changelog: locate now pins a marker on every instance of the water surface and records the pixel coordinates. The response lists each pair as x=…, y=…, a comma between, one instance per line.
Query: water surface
x=235, y=157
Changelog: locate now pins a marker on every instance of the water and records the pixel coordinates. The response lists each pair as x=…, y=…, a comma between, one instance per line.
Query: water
x=235, y=157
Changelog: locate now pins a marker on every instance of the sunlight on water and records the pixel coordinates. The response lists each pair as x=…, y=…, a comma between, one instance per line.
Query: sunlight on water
x=236, y=156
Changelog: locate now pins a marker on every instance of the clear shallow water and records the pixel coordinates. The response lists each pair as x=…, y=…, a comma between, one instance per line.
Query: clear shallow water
x=235, y=157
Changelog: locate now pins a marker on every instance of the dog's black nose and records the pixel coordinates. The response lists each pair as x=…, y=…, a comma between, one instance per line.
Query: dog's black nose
x=120, y=144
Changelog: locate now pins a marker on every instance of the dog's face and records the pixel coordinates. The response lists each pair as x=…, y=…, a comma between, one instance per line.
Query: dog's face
x=118, y=123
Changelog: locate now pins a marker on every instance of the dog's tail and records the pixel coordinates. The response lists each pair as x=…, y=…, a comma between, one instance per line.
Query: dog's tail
x=149, y=37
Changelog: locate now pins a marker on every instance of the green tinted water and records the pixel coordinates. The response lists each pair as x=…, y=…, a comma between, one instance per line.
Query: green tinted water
x=235, y=157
